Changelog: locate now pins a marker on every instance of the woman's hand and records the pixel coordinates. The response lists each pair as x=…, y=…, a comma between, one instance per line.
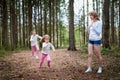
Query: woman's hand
x=91, y=25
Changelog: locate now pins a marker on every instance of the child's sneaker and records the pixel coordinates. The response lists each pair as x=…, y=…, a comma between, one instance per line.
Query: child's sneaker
x=100, y=70
x=37, y=57
x=88, y=70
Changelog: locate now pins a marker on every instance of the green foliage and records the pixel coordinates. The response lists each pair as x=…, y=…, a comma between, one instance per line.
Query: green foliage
x=84, y=48
x=3, y=53
x=113, y=50
x=105, y=51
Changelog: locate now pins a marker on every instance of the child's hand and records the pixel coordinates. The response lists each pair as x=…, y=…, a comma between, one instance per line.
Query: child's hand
x=91, y=24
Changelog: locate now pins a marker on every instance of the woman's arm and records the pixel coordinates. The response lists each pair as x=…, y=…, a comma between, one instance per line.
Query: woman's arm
x=98, y=28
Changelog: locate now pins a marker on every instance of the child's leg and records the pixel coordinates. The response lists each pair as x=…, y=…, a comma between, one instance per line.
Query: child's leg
x=48, y=59
x=32, y=47
x=42, y=59
x=37, y=49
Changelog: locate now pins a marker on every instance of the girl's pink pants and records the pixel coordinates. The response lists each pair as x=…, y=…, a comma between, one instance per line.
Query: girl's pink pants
x=42, y=59
x=37, y=49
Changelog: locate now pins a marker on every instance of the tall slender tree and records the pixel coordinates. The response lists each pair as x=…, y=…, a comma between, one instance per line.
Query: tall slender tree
x=4, y=25
x=50, y=18
x=30, y=15
x=93, y=4
x=119, y=23
x=0, y=24
x=41, y=15
x=20, y=27
x=112, y=23
x=84, y=35
x=23, y=19
x=71, y=26
x=13, y=25
x=45, y=16
x=106, y=26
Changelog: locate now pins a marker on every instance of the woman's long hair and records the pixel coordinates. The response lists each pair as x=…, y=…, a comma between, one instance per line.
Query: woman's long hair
x=94, y=14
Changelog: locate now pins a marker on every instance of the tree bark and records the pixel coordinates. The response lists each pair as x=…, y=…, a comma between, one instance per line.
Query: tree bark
x=106, y=26
x=119, y=23
x=45, y=16
x=50, y=19
x=30, y=16
x=23, y=27
x=71, y=26
x=4, y=26
x=112, y=23
x=13, y=25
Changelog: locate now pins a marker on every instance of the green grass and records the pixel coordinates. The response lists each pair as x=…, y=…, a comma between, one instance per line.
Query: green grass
x=4, y=52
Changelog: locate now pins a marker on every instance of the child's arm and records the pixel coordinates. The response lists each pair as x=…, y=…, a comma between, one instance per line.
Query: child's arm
x=39, y=37
x=53, y=48
x=31, y=38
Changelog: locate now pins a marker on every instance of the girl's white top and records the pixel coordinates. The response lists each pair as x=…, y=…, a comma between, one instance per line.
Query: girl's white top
x=46, y=47
x=95, y=31
x=33, y=39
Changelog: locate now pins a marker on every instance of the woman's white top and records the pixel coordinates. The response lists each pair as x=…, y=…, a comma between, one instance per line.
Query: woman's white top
x=46, y=47
x=34, y=38
x=95, y=31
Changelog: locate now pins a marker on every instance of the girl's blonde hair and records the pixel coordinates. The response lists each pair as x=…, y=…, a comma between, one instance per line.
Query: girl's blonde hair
x=45, y=36
x=94, y=14
x=32, y=31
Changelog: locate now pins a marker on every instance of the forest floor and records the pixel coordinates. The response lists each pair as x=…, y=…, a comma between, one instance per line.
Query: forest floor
x=65, y=65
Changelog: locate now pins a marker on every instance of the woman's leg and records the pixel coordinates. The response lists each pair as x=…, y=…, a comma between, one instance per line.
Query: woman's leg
x=90, y=55
x=48, y=60
x=98, y=54
x=32, y=47
x=42, y=59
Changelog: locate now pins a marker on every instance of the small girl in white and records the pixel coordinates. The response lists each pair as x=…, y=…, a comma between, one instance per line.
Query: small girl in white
x=46, y=45
x=34, y=43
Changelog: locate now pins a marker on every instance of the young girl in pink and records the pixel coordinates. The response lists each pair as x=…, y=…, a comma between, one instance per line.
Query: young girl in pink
x=34, y=43
x=46, y=45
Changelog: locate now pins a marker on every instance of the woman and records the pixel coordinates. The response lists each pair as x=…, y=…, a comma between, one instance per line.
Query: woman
x=94, y=42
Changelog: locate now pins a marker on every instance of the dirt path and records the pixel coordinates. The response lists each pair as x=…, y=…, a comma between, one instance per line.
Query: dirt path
x=65, y=65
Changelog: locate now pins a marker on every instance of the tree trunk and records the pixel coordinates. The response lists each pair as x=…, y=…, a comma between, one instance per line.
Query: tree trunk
x=13, y=25
x=23, y=29
x=84, y=36
x=71, y=26
x=53, y=18
x=119, y=23
x=57, y=22
x=30, y=16
x=41, y=29
x=112, y=23
x=93, y=4
x=4, y=26
x=45, y=16
x=97, y=5
x=1, y=10
x=106, y=26
x=50, y=19
x=20, y=37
